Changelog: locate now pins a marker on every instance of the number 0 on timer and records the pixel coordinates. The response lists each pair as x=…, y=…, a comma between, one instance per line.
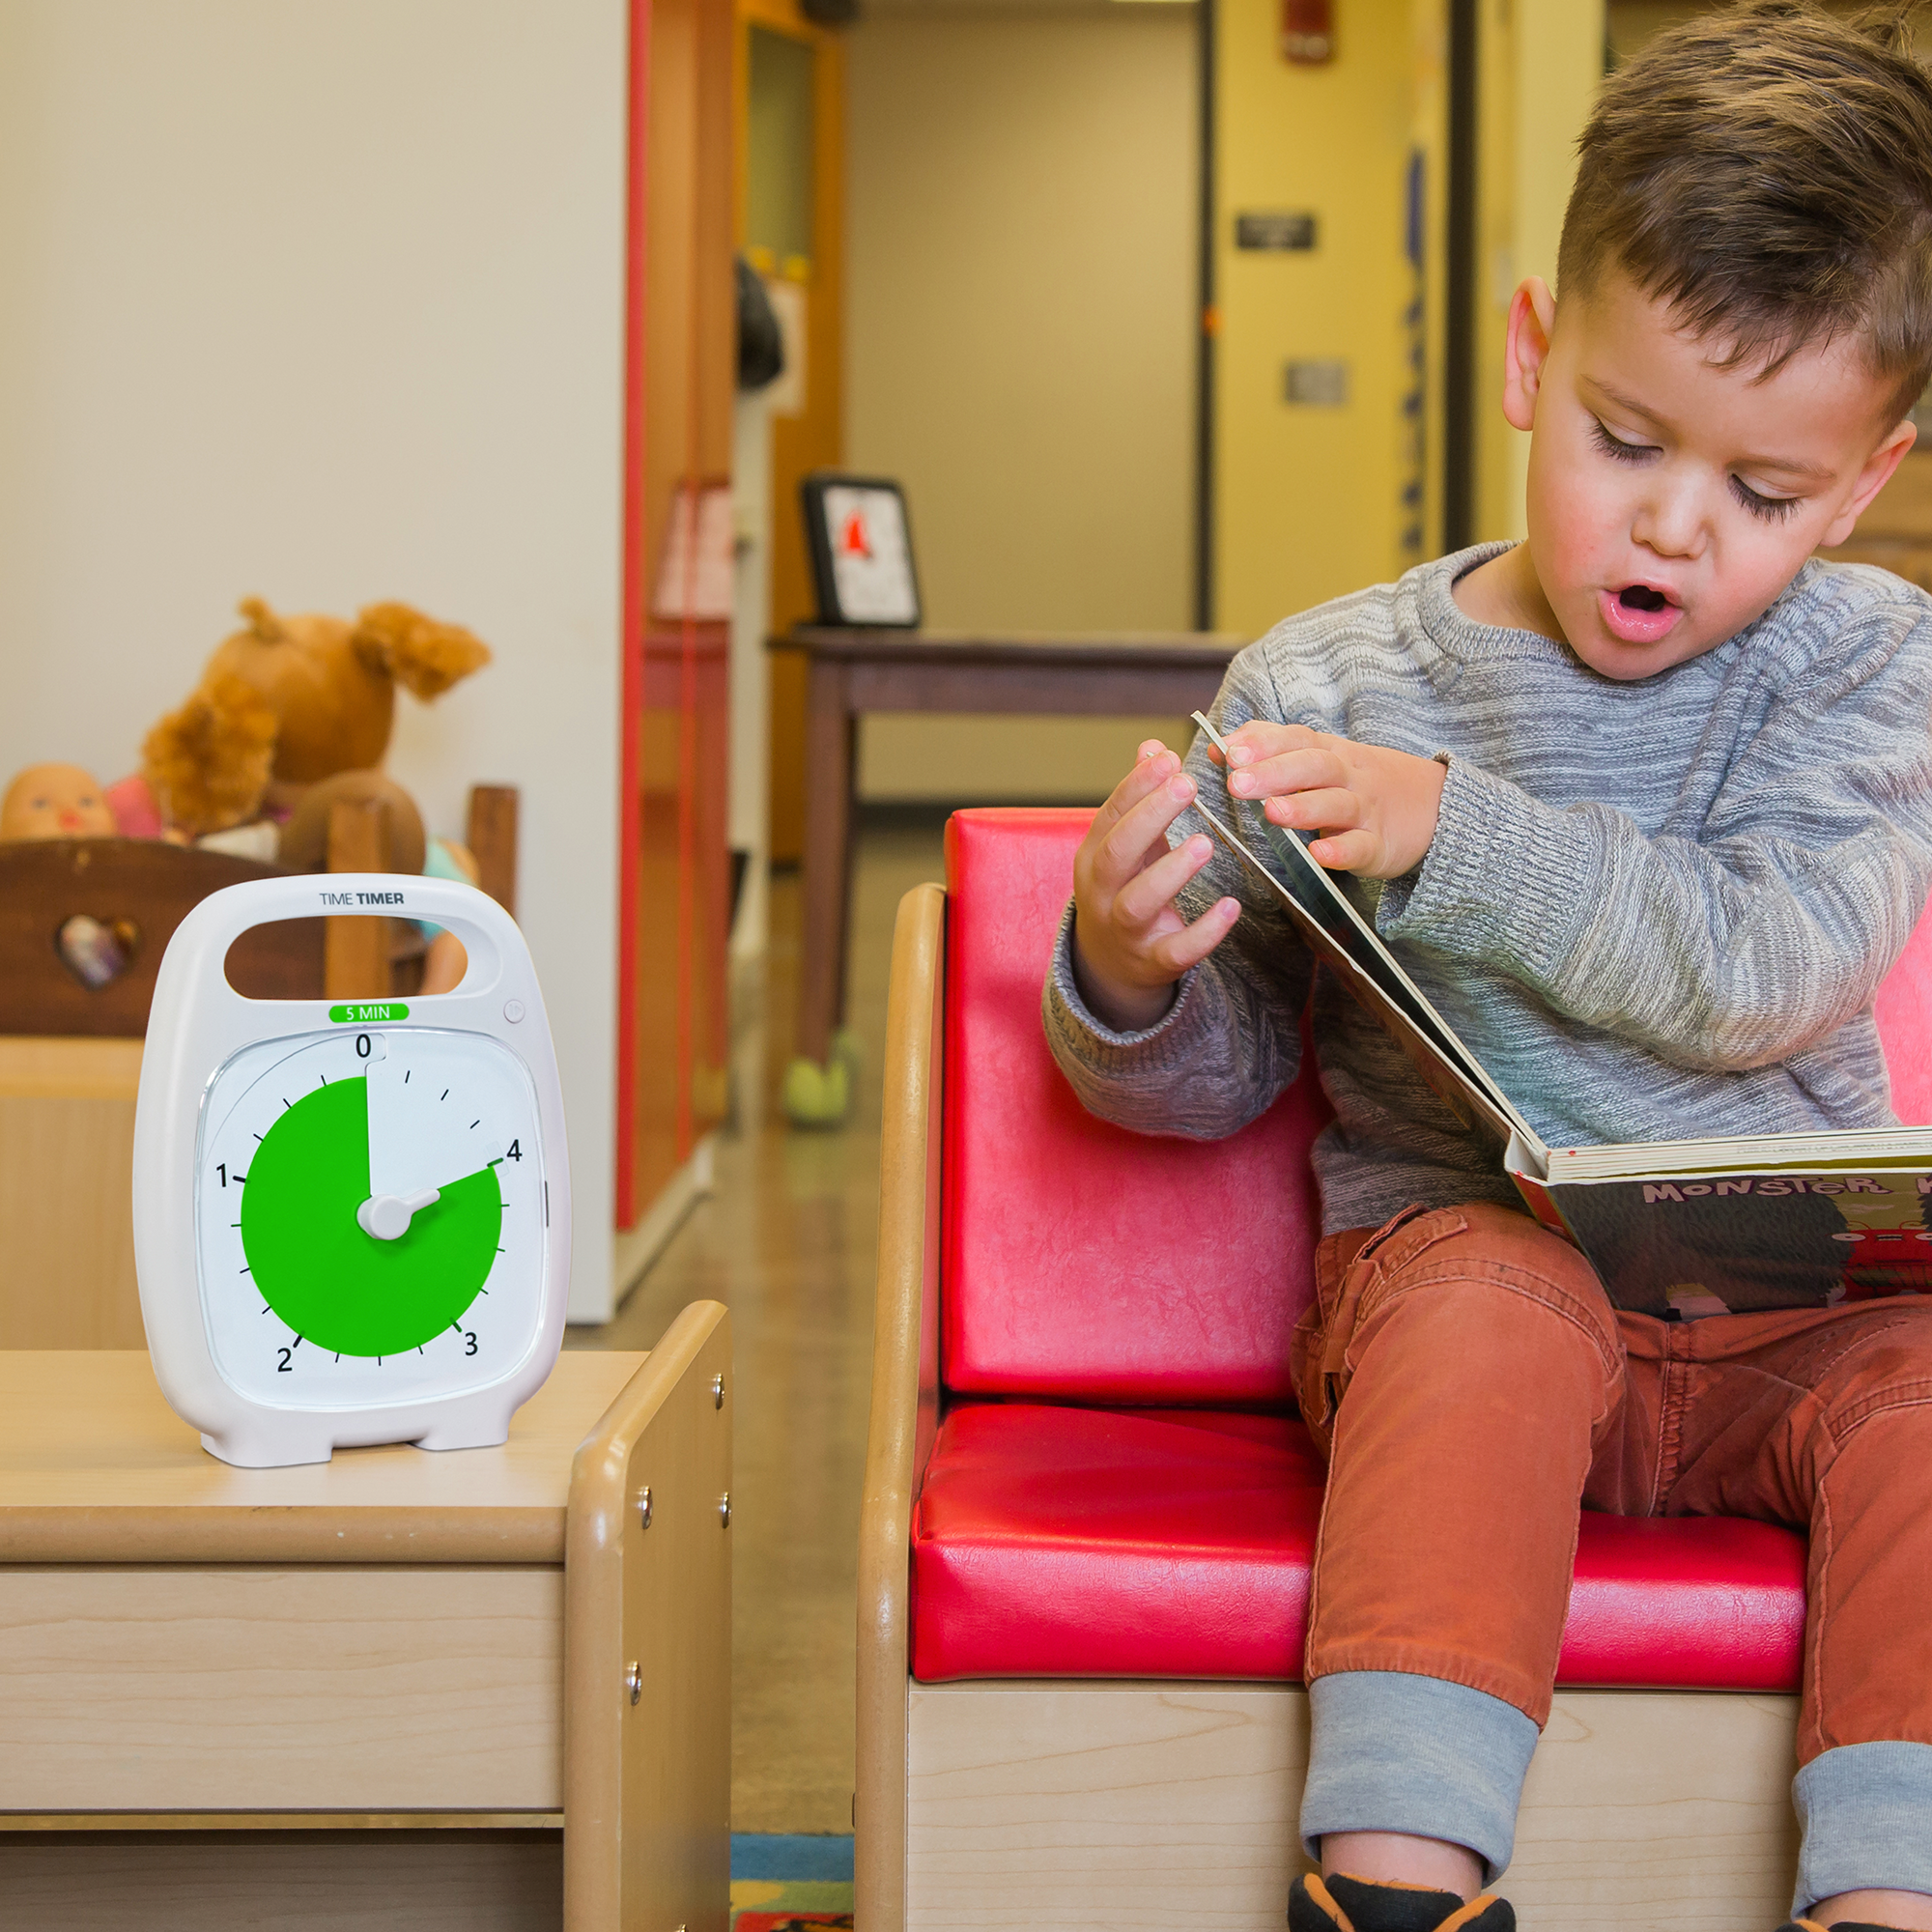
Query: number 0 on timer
x=367, y=1239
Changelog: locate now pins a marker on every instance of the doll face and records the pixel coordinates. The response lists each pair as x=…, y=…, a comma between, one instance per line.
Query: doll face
x=55, y=802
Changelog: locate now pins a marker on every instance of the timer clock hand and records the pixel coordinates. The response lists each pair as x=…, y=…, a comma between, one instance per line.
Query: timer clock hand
x=387, y=1216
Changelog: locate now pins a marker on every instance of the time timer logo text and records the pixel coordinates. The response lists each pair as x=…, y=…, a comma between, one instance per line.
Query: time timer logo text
x=362, y=899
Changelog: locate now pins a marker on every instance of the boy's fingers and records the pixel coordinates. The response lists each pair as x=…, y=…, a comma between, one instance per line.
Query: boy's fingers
x=1346, y=851
x=1290, y=771
x=1257, y=740
x=1141, y=900
x=1178, y=951
x=1147, y=775
x=1331, y=810
x=1126, y=848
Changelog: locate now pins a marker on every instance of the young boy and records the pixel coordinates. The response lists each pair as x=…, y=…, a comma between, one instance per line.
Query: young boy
x=1644, y=805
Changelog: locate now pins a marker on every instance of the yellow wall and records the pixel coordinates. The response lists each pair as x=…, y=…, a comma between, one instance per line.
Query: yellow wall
x=1307, y=498
x=1020, y=349
x=1542, y=65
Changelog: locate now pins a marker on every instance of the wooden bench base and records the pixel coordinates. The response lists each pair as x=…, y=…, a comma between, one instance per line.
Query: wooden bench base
x=1150, y=1805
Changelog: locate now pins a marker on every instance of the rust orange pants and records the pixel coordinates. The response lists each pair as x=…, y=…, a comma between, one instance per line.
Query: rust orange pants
x=1472, y=1387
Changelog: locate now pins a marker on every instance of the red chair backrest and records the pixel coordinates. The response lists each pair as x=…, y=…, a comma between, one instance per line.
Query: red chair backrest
x=1903, y=1010
x=1083, y=1260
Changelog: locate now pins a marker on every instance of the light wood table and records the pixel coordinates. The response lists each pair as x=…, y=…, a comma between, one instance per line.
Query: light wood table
x=474, y=1690
x=852, y=671
x=67, y=1163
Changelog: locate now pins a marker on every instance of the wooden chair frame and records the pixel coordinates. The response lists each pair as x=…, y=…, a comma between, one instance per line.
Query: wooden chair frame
x=1147, y=1804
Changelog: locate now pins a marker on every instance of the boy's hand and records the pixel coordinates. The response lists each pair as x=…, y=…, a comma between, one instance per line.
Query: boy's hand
x=1131, y=944
x=1375, y=808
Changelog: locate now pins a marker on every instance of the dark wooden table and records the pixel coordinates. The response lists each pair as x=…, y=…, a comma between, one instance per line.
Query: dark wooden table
x=853, y=671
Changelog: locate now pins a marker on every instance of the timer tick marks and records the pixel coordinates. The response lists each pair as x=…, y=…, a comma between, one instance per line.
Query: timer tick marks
x=475, y=1124
x=406, y=1078
x=444, y=1095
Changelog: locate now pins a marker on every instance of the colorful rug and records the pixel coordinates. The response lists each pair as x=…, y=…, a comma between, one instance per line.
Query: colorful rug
x=785, y=1881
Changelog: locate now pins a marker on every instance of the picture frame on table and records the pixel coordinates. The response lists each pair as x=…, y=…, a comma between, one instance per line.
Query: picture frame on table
x=860, y=536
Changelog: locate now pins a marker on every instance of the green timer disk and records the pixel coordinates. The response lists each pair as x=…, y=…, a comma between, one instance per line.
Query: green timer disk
x=317, y=1268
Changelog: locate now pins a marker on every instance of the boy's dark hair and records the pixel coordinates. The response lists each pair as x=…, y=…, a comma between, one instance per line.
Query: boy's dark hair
x=1767, y=171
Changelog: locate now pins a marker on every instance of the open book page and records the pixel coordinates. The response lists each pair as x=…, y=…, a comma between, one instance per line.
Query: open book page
x=1352, y=949
x=1842, y=1150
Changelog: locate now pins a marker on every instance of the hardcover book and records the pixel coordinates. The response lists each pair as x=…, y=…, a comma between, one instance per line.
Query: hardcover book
x=1675, y=1228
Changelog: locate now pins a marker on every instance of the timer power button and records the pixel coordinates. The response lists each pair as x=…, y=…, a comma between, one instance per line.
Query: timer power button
x=513, y=1011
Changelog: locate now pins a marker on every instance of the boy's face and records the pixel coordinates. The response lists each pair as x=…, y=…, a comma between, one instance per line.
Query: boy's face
x=1671, y=500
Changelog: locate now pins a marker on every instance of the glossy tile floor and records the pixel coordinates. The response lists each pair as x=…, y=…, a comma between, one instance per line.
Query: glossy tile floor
x=787, y=1242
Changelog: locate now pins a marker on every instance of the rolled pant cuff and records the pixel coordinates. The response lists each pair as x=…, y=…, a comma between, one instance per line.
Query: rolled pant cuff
x=1392, y=1752
x=1863, y=1809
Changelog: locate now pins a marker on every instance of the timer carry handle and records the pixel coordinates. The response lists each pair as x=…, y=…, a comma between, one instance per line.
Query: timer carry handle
x=199, y=947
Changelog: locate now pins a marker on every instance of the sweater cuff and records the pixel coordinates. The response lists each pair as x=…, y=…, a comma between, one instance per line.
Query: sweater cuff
x=1092, y=1040
x=1503, y=877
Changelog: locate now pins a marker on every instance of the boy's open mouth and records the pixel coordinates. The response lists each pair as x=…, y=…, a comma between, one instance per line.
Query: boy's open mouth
x=1639, y=613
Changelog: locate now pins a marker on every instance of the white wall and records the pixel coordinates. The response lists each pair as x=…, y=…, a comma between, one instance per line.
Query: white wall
x=321, y=300
x=1020, y=329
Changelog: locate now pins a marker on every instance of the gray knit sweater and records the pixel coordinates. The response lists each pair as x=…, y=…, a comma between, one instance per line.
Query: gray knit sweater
x=1651, y=910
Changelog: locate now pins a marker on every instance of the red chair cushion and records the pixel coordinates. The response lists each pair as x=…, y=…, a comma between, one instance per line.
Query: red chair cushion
x=1082, y=1260
x=1062, y=1542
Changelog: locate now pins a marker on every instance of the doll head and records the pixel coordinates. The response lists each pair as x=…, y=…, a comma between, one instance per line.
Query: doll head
x=55, y=802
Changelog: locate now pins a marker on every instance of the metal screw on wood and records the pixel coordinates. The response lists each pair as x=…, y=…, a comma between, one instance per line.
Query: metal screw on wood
x=634, y=1681
x=724, y=1509
x=717, y=1391
x=644, y=1507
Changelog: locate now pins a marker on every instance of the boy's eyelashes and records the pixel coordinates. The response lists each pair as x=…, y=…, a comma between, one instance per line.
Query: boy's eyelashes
x=1771, y=509
x=1615, y=448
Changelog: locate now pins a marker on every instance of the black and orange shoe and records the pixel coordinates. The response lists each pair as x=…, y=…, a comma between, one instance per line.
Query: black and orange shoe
x=1340, y=1903
x=1843, y=1925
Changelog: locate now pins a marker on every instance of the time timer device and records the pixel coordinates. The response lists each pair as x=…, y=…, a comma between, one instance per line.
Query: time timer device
x=352, y=1219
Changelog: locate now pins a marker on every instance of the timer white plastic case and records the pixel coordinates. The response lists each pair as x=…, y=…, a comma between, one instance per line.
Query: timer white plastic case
x=399, y=1273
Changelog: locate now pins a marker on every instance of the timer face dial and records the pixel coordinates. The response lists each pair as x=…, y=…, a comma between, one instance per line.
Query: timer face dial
x=371, y=1216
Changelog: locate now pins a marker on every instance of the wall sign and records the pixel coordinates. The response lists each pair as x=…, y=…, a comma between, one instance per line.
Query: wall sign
x=1284, y=229
x=1321, y=385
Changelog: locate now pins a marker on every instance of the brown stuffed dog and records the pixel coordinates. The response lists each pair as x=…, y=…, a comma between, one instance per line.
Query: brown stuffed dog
x=292, y=699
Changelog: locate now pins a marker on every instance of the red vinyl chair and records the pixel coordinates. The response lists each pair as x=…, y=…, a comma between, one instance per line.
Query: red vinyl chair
x=1090, y=1510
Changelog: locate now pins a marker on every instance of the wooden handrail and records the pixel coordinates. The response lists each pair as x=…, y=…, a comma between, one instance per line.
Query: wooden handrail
x=905, y=1397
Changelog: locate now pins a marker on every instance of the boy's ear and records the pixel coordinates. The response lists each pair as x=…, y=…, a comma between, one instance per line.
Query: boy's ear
x=1532, y=321
x=1872, y=479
